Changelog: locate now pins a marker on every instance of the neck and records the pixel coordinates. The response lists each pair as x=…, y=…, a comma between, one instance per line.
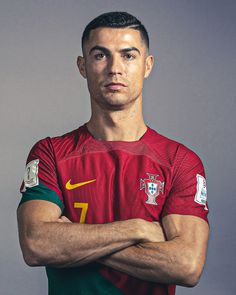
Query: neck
x=117, y=125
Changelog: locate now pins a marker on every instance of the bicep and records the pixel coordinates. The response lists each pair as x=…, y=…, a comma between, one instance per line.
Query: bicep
x=191, y=231
x=33, y=213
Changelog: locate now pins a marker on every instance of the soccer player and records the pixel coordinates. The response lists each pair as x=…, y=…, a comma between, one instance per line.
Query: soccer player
x=114, y=207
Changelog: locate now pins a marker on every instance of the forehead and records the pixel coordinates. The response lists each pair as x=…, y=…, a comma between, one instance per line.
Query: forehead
x=113, y=38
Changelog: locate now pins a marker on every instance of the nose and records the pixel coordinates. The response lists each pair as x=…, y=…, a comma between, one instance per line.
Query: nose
x=115, y=66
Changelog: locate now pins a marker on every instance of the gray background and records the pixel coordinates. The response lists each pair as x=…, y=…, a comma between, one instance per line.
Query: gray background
x=190, y=97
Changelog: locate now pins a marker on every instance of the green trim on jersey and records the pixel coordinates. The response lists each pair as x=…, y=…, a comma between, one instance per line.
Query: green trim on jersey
x=41, y=192
x=84, y=280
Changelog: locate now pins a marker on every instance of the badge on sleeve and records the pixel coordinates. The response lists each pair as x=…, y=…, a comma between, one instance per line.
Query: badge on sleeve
x=201, y=194
x=31, y=173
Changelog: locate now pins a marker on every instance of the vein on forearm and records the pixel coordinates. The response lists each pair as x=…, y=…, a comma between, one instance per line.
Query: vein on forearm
x=72, y=244
x=159, y=262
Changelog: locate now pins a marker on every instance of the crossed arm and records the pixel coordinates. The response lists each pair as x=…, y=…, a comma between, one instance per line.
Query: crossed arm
x=135, y=246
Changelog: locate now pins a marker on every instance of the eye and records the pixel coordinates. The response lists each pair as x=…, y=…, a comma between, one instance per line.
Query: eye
x=129, y=56
x=99, y=56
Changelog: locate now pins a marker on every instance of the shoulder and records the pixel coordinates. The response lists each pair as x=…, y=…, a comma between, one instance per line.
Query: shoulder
x=171, y=151
x=59, y=146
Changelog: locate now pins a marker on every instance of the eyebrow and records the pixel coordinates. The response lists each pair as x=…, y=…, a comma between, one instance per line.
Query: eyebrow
x=107, y=51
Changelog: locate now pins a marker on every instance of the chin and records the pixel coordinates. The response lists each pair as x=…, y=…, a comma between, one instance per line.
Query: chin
x=111, y=105
x=115, y=100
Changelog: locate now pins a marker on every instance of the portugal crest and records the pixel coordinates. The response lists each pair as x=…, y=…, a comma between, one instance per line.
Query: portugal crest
x=152, y=187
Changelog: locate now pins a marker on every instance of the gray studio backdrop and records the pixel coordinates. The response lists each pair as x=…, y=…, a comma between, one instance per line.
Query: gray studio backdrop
x=190, y=97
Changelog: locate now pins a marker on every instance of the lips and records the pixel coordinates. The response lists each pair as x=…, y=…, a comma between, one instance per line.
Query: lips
x=114, y=86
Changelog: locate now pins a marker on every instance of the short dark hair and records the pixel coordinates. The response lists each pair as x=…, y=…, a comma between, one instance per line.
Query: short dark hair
x=116, y=19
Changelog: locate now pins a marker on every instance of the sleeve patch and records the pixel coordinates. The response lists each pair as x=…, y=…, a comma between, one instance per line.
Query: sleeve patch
x=201, y=194
x=31, y=174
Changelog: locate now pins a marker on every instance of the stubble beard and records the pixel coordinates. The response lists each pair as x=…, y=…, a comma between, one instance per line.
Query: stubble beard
x=114, y=101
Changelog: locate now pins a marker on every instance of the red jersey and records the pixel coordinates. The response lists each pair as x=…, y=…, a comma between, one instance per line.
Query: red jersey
x=96, y=181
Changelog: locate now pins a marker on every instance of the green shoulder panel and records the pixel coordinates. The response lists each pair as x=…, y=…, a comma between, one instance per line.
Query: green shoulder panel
x=41, y=192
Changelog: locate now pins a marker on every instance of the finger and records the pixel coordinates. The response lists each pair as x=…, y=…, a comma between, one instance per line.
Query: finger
x=65, y=219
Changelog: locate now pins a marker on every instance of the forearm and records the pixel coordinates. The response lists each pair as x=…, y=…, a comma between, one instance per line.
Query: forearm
x=70, y=244
x=163, y=262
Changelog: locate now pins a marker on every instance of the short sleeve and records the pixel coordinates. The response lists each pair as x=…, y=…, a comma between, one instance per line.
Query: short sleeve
x=40, y=179
x=188, y=194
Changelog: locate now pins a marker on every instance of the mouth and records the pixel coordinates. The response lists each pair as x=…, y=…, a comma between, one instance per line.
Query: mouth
x=114, y=86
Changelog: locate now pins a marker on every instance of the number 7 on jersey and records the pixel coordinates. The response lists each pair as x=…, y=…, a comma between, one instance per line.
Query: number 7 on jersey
x=84, y=209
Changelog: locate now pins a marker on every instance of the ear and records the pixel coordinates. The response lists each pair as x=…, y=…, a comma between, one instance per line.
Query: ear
x=81, y=66
x=148, y=65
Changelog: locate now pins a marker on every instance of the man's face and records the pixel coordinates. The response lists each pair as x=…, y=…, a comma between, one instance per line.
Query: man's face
x=115, y=64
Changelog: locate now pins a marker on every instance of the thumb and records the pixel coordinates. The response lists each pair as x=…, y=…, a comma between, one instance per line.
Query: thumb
x=64, y=219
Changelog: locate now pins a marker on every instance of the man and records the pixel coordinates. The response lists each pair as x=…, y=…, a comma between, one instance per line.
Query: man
x=114, y=207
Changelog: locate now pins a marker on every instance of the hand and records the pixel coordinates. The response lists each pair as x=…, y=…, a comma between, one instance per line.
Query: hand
x=64, y=219
x=152, y=232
